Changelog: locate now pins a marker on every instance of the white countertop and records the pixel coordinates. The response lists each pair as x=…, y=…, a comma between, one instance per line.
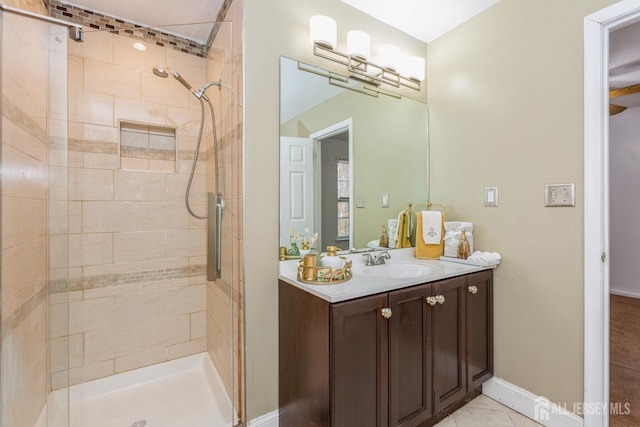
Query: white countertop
x=361, y=285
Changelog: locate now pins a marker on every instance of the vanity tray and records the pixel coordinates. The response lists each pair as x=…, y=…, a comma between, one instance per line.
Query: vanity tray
x=318, y=275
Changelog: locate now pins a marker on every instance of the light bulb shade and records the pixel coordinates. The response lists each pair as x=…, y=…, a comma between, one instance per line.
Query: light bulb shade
x=390, y=56
x=324, y=30
x=359, y=44
x=413, y=67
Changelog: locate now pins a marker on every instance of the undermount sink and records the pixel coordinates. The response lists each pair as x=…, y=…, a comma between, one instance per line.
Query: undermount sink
x=395, y=270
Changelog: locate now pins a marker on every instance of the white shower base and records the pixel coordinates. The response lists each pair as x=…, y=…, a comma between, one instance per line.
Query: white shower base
x=187, y=392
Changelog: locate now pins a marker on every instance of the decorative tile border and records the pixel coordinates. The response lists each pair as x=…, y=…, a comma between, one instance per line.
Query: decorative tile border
x=115, y=279
x=101, y=22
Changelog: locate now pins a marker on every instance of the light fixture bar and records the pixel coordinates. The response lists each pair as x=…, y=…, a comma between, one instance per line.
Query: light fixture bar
x=368, y=70
x=342, y=82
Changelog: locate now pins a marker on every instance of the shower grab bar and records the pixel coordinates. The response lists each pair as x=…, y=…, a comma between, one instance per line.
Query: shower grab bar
x=75, y=30
x=214, y=236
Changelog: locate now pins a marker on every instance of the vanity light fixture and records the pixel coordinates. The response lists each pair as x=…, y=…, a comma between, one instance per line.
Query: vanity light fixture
x=391, y=68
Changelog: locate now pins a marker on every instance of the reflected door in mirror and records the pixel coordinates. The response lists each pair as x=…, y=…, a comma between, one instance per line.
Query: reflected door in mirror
x=296, y=187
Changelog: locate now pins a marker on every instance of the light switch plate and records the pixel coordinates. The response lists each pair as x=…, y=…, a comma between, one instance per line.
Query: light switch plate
x=360, y=202
x=491, y=197
x=385, y=200
x=560, y=195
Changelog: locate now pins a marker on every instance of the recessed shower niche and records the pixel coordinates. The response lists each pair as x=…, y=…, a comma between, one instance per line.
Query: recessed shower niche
x=145, y=147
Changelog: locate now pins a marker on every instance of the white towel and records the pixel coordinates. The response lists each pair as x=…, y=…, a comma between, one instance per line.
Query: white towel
x=432, y=227
x=487, y=257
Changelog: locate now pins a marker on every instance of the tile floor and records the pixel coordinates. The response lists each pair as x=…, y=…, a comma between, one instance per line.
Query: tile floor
x=485, y=412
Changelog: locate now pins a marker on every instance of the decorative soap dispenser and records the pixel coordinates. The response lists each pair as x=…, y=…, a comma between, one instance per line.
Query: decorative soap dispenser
x=463, y=246
x=384, y=237
x=332, y=259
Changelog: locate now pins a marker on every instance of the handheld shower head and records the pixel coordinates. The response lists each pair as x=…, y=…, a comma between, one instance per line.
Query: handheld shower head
x=182, y=81
x=160, y=72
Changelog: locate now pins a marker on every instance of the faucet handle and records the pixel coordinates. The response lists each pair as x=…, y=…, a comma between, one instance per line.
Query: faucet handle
x=367, y=259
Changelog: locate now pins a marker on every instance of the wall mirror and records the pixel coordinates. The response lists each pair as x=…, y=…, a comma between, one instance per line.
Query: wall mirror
x=350, y=158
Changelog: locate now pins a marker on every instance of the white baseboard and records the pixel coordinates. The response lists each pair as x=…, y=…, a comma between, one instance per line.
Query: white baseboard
x=621, y=293
x=537, y=408
x=266, y=420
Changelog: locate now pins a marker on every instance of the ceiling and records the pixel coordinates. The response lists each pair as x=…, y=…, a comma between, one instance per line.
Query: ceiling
x=171, y=17
x=425, y=20
x=624, y=62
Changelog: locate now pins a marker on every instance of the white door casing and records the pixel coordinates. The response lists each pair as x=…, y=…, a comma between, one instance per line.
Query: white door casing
x=597, y=27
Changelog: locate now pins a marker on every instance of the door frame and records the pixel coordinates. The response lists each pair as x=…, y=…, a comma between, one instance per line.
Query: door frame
x=597, y=27
x=317, y=137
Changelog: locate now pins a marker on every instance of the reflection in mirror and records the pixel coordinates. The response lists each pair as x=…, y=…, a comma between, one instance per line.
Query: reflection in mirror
x=342, y=147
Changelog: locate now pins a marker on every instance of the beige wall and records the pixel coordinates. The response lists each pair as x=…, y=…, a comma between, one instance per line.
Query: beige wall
x=137, y=281
x=506, y=110
x=271, y=29
x=389, y=153
x=36, y=6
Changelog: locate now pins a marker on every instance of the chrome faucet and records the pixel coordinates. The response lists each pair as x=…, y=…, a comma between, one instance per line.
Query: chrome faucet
x=376, y=260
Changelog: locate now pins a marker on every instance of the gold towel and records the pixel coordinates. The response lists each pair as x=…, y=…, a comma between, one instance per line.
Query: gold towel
x=403, y=234
x=424, y=251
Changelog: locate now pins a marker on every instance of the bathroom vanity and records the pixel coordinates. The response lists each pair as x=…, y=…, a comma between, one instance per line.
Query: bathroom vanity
x=384, y=351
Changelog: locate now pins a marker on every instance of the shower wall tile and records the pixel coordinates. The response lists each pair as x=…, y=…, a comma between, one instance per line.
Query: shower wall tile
x=97, y=45
x=141, y=111
x=138, y=283
x=89, y=372
x=139, y=186
x=90, y=249
x=91, y=108
x=186, y=349
x=90, y=184
x=140, y=246
x=139, y=360
x=167, y=331
x=185, y=243
x=163, y=91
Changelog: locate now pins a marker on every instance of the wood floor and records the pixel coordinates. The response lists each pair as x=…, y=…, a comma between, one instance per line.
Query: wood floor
x=625, y=359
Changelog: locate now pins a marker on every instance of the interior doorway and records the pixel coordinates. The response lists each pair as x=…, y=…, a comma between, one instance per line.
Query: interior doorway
x=597, y=211
x=333, y=185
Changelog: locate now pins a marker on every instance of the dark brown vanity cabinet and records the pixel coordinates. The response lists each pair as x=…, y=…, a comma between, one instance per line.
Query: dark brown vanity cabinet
x=400, y=359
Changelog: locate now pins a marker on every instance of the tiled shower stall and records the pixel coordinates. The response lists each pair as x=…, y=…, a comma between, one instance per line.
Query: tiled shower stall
x=103, y=269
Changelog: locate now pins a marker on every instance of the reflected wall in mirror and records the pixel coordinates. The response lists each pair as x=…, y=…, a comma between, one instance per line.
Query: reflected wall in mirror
x=341, y=150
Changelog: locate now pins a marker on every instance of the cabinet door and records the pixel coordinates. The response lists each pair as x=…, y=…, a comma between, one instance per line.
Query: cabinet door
x=359, y=364
x=479, y=328
x=449, y=373
x=410, y=357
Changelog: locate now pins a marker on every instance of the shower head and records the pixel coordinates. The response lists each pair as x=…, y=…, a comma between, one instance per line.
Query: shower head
x=160, y=72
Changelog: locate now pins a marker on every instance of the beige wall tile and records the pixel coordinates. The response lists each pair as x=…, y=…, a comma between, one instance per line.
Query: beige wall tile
x=131, y=185
x=90, y=184
x=139, y=360
x=167, y=331
x=111, y=216
x=177, y=184
x=133, y=164
x=163, y=91
x=92, y=108
x=97, y=45
x=166, y=166
x=91, y=372
x=23, y=220
x=165, y=284
x=186, y=121
x=185, y=243
x=198, y=325
x=109, y=79
x=89, y=315
x=186, y=349
x=163, y=215
x=90, y=249
x=99, y=133
x=135, y=308
x=23, y=175
x=75, y=72
x=191, y=299
x=140, y=111
x=140, y=246
x=115, y=290
x=101, y=345
x=100, y=161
